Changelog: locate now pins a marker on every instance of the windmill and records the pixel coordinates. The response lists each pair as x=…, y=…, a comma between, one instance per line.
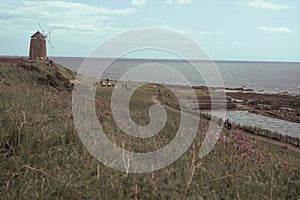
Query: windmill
x=38, y=49
x=47, y=34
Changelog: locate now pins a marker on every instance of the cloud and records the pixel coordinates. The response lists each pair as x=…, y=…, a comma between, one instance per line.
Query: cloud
x=178, y=1
x=274, y=29
x=237, y=43
x=168, y=1
x=183, y=1
x=140, y=2
x=68, y=16
x=152, y=19
x=267, y=5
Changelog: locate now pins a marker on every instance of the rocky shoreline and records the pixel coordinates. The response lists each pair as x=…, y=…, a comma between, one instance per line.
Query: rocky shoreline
x=281, y=106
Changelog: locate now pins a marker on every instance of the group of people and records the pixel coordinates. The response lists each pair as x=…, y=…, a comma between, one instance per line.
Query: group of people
x=106, y=83
x=109, y=83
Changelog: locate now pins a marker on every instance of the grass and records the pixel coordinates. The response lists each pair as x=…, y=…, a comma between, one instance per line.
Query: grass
x=42, y=157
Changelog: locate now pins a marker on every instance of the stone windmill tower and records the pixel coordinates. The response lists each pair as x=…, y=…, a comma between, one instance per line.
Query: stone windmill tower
x=38, y=49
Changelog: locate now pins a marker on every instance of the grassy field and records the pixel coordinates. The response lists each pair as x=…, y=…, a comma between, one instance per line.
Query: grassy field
x=42, y=157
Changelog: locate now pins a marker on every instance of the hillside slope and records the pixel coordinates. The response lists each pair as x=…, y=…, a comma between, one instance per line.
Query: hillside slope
x=21, y=71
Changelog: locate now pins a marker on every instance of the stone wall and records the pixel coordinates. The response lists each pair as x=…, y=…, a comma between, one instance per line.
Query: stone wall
x=38, y=49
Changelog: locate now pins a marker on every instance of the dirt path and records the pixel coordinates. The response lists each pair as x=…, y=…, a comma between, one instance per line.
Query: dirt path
x=278, y=144
x=155, y=100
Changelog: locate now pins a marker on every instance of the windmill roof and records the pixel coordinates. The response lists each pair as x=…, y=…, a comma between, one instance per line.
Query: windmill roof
x=38, y=34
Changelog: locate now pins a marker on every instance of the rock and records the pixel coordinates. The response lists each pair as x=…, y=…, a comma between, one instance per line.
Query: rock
x=267, y=107
x=287, y=109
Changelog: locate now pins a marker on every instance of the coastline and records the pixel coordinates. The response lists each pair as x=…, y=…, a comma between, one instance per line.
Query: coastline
x=285, y=106
x=280, y=106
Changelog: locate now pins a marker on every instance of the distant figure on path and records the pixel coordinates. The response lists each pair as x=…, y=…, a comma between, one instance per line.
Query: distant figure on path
x=227, y=124
x=159, y=94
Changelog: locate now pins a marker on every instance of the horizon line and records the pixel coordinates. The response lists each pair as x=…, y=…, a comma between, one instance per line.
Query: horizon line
x=164, y=59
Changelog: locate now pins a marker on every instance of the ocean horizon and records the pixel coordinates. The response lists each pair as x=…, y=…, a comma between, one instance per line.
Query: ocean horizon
x=272, y=77
x=261, y=76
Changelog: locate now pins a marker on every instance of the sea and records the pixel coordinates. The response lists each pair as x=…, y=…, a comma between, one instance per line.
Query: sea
x=266, y=77
x=263, y=77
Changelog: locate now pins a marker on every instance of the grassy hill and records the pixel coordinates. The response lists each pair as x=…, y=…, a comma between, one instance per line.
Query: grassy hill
x=42, y=157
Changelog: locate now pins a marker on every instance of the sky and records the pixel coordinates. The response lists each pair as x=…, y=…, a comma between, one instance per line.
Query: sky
x=249, y=30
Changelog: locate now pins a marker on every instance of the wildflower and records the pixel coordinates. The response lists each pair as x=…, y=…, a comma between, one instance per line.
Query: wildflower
x=243, y=155
x=284, y=163
x=223, y=139
x=235, y=146
x=228, y=140
x=235, y=156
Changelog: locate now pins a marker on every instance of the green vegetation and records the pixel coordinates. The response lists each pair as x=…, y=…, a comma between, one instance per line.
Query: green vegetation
x=42, y=157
